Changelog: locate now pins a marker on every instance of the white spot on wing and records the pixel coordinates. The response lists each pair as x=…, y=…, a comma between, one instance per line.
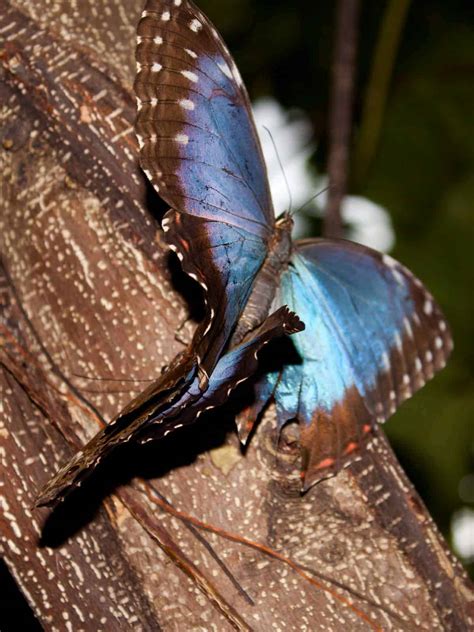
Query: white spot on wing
x=195, y=25
x=438, y=342
x=157, y=40
x=428, y=307
x=186, y=104
x=165, y=16
x=190, y=52
x=156, y=67
x=398, y=276
x=391, y=263
x=236, y=74
x=398, y=341
x=226, y=70
x=183, y=139
x=190, y=75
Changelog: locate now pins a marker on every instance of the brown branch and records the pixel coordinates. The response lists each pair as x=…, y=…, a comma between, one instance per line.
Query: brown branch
x=340, y=114
x=88, y=292
x=147, y=520
x=378, y=85
x=298, y=568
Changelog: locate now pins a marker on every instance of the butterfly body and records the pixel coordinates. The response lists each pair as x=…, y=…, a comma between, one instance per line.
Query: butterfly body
x=373, y=337
x=267, y=280
x=366, y=332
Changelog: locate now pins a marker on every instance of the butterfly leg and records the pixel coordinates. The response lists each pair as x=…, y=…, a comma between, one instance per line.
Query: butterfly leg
x=185, y=331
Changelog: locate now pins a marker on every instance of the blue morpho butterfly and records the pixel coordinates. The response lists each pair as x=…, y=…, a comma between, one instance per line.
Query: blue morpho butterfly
x=373, y=334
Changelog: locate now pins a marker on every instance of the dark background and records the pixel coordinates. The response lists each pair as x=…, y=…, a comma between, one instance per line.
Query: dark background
x=422, y=173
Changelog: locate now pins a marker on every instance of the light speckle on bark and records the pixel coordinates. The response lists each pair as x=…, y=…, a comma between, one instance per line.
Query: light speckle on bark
x=86, y=293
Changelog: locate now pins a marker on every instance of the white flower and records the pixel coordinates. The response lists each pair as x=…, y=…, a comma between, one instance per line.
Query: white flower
x=290, y=132
x=368, y=223
x=462, y=530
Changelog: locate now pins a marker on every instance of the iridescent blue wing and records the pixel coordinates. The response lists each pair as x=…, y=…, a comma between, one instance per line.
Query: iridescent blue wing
x=199, y=148
x=374, y=336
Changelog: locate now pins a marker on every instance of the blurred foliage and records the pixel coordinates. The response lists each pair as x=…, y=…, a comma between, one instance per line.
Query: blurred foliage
x=422, y=173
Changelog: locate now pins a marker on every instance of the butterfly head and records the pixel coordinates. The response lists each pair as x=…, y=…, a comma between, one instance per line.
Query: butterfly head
x=284, y=222
x=280, y=247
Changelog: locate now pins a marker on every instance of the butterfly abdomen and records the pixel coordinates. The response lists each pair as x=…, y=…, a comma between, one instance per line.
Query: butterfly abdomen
x=266, y=282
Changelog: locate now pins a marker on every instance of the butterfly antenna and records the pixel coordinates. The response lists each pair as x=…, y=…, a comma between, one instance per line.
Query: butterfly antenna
x=311, y=199
x=281, y=167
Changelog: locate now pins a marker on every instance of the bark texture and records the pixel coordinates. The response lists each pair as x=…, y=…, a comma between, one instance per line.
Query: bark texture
x=192, y=534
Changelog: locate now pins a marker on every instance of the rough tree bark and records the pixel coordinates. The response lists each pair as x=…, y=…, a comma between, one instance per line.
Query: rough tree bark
x=87, y=292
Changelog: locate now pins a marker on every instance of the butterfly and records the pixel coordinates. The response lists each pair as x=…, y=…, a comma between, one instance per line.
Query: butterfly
x=367, y=333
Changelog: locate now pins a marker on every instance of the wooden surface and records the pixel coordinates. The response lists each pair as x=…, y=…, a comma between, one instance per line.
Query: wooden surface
x=87, y=292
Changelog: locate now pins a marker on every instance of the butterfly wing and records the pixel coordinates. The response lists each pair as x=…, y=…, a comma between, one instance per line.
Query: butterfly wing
x=374, y=336
x=176, y=388
x=234, y=367
x=199, y=148
x=152, y=419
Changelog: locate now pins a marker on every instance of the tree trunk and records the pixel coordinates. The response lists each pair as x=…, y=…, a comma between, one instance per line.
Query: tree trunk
x=206, y=537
